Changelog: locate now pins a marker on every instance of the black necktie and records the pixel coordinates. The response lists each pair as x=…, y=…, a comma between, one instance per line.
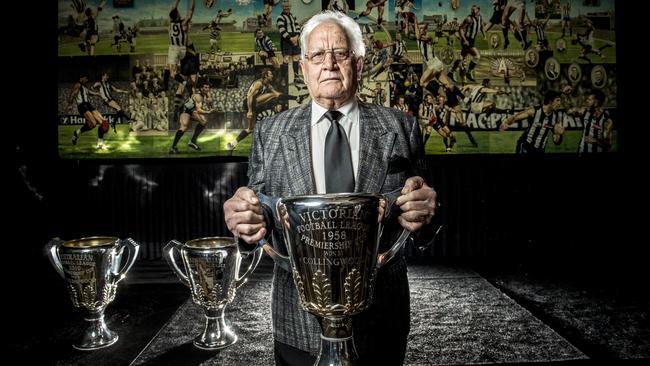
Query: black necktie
x=339, y=174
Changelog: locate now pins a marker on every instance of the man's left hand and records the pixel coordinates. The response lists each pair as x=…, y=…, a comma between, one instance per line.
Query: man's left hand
x=418, y=204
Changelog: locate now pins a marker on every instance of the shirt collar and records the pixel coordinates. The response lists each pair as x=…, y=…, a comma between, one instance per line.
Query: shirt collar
x=348, y=110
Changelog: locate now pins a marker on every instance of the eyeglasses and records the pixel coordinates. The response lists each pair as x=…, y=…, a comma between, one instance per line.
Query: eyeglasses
x=339, y=54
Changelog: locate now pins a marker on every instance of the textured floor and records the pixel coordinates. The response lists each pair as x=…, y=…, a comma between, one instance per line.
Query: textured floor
x=457, y=317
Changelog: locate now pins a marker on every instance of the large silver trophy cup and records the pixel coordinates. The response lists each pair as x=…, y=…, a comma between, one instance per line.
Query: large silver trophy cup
x=91, y=268
x=332, y=242
x=212, y=274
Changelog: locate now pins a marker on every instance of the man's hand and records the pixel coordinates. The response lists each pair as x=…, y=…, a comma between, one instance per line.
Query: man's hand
x=243, y=215
x=418, y=204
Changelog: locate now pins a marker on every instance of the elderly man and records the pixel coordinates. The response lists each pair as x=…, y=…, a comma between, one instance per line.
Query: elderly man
x=289, y=157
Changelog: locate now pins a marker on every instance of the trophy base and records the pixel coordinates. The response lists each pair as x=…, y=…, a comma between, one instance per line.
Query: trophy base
x=336, y=343
x=96, y=343
x=96, y=335
x=216, y=334
x=337, y=352
x=227, y=339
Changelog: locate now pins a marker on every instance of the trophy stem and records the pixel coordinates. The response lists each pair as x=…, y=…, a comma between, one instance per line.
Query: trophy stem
x=96, y=335
x=216, y=334
x=337, y=345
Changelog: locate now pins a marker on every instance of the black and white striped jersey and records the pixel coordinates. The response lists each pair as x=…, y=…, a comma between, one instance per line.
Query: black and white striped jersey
x=287, y=25
x=264, y=44
x=536, y=135
x=177, y=35
x=594, y=127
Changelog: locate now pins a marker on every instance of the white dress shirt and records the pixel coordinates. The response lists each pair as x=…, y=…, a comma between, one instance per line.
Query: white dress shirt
x=319, y=127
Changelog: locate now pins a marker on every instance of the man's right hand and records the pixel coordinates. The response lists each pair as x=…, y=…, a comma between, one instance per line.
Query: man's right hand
x=244, y=217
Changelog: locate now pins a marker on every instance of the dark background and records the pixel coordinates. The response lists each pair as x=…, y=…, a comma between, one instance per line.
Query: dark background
x=567, y=215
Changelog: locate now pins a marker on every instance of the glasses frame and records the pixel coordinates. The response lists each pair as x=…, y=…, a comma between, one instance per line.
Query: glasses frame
x=310, y=56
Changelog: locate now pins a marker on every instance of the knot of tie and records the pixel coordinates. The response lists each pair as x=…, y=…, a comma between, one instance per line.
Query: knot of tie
x=333, y=115
x=339, y=173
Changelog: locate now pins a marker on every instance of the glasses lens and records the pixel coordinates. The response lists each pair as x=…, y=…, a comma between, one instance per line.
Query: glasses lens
x=339, y=54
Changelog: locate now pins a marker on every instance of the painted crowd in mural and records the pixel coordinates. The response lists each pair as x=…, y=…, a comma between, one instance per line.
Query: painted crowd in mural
x=190, y=78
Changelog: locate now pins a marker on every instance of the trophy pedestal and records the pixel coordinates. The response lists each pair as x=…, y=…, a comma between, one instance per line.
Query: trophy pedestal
x=96, y=335
x=337, y=345
x=216, y=334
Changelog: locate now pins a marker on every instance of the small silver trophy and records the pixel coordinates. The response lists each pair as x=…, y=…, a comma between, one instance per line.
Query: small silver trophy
x=92, y=268
x=332, y=241
x=212, y=274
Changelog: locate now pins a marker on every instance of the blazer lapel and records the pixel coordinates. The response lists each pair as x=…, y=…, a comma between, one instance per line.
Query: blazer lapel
x=376, y=143
x=296, y=152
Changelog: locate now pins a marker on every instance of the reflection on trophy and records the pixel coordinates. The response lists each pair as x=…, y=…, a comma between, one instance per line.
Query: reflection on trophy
x=332, y=241
x=212, y=274
x=91, y=268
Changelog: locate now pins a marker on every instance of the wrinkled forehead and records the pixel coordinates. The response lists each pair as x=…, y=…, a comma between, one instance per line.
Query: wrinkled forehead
x=328, y=34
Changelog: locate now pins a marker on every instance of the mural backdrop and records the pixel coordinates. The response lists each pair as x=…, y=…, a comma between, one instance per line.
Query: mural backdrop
x=150, y=78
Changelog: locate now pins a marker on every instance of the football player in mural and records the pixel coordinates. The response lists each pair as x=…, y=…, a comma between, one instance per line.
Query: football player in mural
x=189, y=73
x=586, y=41
x=477, y=97
x=265, y=18
x=496, y=19
x=453, y=102
x=80, y=94
x=194, y=107
x=379, y=4
x=215, y=29
x=597, y=134
x=566, y=18
x=92, y=29
x=405, y=19
x=339, y=5
x=544, y=121
x=434, y=68
x=426, y=113
x=468, y=31
x=518, y=25
x=540, y=31
x=440, y=122
x=106, y=90
x=178, y=37
x=289, y=41
x=266, y=49
x=261, y=95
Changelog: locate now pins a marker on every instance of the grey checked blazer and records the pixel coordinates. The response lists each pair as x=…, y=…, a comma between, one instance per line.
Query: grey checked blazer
x=280, y=165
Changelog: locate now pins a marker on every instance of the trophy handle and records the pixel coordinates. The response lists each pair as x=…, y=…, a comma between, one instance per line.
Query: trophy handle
x=273, y=204
x=257, y=255
x=52, y=252
x=386, y=256
x=132, y=250
x=168, y=251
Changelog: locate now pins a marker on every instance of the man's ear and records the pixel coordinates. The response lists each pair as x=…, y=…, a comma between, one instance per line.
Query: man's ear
x=359, y=67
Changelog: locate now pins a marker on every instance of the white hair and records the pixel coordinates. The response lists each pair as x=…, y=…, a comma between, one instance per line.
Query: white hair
x=349, y=26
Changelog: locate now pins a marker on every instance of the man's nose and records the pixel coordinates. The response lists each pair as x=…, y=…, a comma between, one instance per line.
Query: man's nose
x=330, y=60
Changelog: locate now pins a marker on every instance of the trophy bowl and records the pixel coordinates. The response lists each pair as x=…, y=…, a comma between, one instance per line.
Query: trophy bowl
x=332, y=241
x=212, y=273
x=91, y=268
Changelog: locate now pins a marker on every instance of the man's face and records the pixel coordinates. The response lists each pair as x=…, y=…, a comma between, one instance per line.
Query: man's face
x=591, y=101
x=286, y=6
x=205, y=89
x=331, y=81
x=556, y=103
x=259, y=34
x=598, y=76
